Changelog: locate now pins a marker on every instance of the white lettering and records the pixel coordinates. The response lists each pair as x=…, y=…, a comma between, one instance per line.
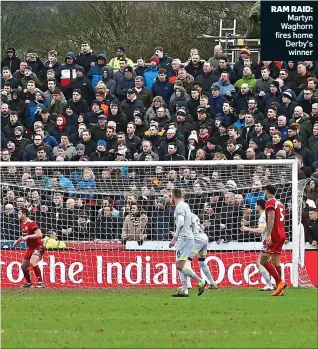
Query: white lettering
x=72, y=272
x=221, y=268
x=248, y=274
x=119, y=273
x=99, y=267
x=53, y=271
x=231, y=273
x=10, y=272
x=138, y=267
x=161, y=277
x=148, y=270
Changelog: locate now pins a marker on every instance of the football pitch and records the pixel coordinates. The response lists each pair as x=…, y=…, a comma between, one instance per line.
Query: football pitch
x=151, y=318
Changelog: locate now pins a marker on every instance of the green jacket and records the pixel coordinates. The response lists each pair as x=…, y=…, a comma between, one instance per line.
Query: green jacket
x=251, y=81
x=313, y=147
x=305, y=125
x=58, y=107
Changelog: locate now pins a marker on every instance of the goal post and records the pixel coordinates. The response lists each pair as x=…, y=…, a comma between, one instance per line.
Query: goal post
x=109, y=224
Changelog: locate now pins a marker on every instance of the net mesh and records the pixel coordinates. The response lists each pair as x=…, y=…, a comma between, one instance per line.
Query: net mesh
x=111, y=225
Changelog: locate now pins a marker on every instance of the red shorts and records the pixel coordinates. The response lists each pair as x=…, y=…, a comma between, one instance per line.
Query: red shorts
x=34, y=251
x=275, y=245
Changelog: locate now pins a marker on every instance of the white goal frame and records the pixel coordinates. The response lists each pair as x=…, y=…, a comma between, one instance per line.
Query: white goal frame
x=296, y=245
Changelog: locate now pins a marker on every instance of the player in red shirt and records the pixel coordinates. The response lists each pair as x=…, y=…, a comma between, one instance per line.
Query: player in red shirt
x=275, y=237
x=32, y=236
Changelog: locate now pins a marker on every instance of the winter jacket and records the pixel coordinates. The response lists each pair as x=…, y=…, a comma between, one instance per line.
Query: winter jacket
x=30, y=113
x=58, y=107
x=12, y=62
x=228, y=119
x=133, y=232
x=263, y=85
x=101, y=156
x=269, y=99
x=225, y=87
x=194, y=71
x=216, y=103
x=121, y=120
x=123, y=86
x=129, y=107
x=86, y=88
x=250, y=81
x=87, y=189
x=30, y=152
x=239, y=66
x=142, y=156
x=91, y=118
x=288, y=110
x=67, y=72
x=46, y=67
x=305, y=125
x=163, y=148
x=151, y=114
x=95, y=72
x=69, y=152
x=145, y=96
x=150, y=76
x=174, y=157
x=50, y=140
x=139, y=71
x=162, y=89
x=313, y=147
x=85, y=60
x=9, y=129
x=24, y=81
x=207, y=80
x=182, y=100
x=79, y=107
x=165, y=62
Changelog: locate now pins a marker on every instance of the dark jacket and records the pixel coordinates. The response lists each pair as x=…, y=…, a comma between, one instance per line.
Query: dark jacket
x=85, y=60
x=86, y=88
x=194, y=71
x=12, y=62
x=129, y=107
x=101, y=156
x=165, y=62
x=123, y=86
x=80, y=107
x=174, y=157
x=162, y=89
x=66, y=72
x=30, y=152
x=163, y=148
x=207, y=80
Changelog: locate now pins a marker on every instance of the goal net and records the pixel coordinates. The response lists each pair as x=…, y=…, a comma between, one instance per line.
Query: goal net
x=109, y=223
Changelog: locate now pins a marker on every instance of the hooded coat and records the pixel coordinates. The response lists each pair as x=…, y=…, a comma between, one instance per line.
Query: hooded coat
x=95, y=72
x=182, y=100
x=12, y=62
x=67, y=72
x=57, y=131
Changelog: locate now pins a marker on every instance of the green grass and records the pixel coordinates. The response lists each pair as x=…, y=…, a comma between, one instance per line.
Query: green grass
x=151, y=318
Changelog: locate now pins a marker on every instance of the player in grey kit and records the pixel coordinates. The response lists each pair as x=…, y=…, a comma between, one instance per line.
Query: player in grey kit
x=184, y=240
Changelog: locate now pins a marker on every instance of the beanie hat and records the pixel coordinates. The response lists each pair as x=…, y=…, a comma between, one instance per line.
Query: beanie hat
x=276, y=84
x=282, y=154
x=101, y=142
x=20, y=128
x=96, y=102
x=289, y=144
x=154, y=59
x=246, y=51
x=80, y=68
x=52, y=53
x=193, y=136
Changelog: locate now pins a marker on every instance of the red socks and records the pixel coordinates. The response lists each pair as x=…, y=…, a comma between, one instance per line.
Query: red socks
x=279, y=270
x=27, y=276
x=37, y=272
x=273, y=272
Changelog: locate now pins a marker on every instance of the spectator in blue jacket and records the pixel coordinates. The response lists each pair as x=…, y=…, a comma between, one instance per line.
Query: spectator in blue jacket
x=216, y=100
x=256, y=194
x=95, y=72
x=31, y=110
x=151, y=73
x=162, y=87
x=224, y=84
x=87, y=186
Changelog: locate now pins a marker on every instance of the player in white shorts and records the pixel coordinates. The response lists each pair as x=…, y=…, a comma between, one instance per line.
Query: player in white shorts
x=183, y=239
x=200, y=249
x=261, y=229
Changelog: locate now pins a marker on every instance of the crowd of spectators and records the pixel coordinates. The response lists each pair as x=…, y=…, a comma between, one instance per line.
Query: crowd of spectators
x=89, y=109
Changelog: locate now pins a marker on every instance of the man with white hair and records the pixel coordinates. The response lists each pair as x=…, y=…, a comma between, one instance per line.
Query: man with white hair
x=303, y=120
x=215, y=60
x=9, y=223
x=282, y=126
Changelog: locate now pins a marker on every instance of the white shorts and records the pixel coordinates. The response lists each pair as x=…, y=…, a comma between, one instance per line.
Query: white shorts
x=183, y=249
x=200, y=248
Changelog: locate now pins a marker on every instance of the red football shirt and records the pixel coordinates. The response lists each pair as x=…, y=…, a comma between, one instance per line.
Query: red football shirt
x=279, y=222
x=28, y=228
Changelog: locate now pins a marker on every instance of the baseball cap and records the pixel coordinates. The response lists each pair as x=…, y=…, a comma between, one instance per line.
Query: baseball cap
x=269, y=145
x=102, y=116
x=80, y=146
x=129, y=69
x=215, y=86
x=131, y=91
x=201, y=110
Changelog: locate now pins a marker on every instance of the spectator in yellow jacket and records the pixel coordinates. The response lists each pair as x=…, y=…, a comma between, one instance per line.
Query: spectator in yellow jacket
x=114, y=62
